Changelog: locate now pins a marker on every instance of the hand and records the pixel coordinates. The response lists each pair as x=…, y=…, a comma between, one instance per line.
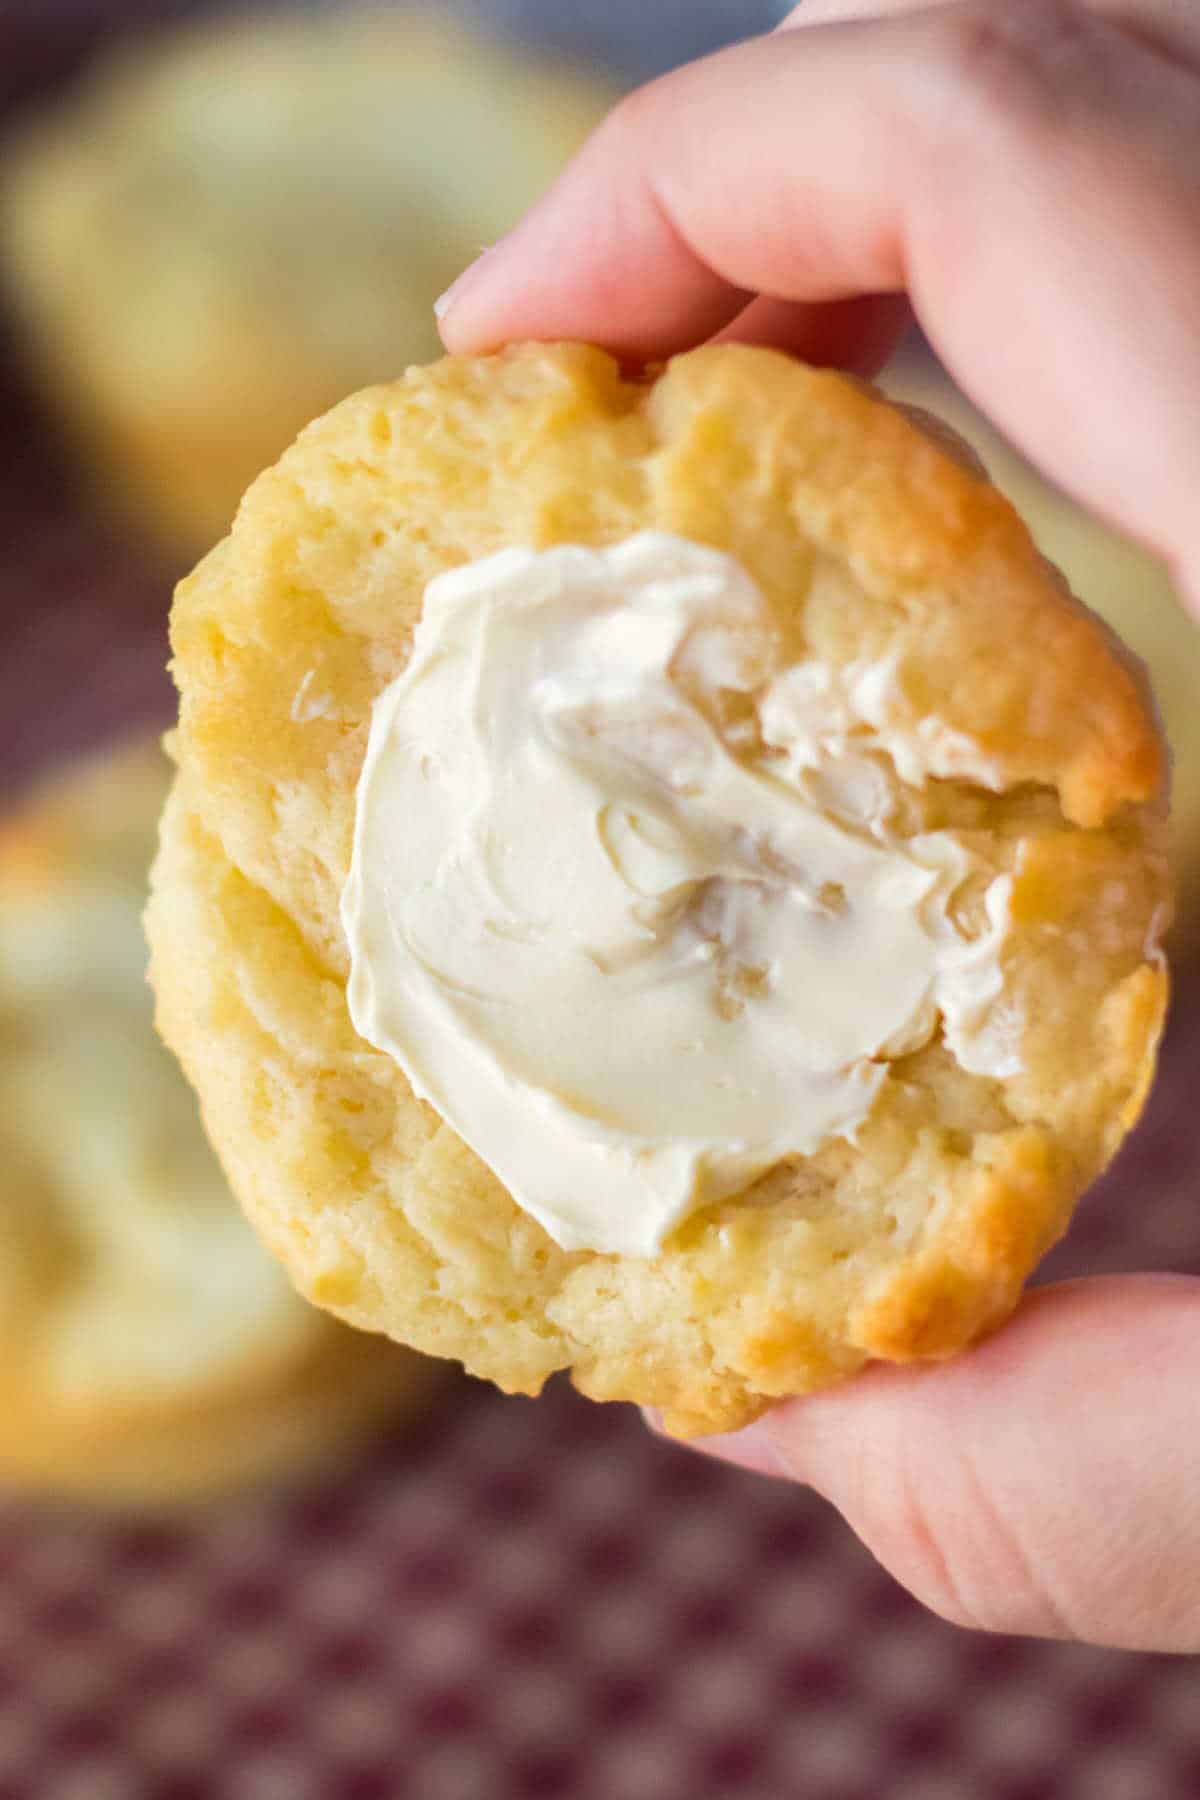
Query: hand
x=1025, y=174
x=1028, y=171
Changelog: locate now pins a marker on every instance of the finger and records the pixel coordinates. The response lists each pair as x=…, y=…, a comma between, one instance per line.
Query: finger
x=1028, y=174
x=857, y=335
x=828, y=12
x=1171, y=26
x=1046, y=1482
x=747, y=1449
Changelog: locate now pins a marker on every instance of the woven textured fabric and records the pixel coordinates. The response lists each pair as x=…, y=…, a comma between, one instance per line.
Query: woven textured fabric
x=534, y=1601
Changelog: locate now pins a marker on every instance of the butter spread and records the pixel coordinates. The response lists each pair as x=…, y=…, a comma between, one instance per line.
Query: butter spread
x=624, y=902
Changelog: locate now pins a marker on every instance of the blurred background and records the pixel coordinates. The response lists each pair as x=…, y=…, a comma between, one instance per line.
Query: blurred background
x=244, y=1551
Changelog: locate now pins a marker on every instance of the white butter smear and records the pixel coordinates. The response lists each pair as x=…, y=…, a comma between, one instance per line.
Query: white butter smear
x=624, y=904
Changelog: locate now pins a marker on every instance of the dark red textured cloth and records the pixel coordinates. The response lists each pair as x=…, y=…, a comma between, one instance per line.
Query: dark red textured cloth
x=535, y=1601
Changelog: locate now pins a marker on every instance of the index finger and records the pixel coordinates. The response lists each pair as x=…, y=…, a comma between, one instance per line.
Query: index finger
x=1171, y=25
x=1024, y=169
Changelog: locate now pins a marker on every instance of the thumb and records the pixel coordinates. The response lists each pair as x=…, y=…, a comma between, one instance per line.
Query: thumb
x=1045, y=1482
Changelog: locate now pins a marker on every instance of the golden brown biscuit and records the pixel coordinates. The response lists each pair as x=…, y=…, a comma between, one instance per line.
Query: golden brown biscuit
x=151, y=1349
x=217, y=237
x=903, y=1244
x=1127, y=586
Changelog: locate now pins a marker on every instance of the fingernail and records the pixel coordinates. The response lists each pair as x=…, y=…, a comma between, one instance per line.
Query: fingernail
x=459, y=285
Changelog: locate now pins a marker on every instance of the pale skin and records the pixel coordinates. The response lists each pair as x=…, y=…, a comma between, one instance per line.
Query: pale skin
x=1025, y=175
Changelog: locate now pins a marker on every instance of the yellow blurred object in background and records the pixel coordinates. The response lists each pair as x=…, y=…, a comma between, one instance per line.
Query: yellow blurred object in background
x=1124, y=584
x=217, y=237
x=150, y=1349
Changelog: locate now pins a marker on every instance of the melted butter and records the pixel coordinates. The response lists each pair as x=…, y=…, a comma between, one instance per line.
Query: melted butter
x=633, y=953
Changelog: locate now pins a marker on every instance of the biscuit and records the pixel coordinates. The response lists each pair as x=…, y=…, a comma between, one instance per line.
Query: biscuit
x=903, y=1244
x=151, y=1350
x=217, y=237
x=1125, y=584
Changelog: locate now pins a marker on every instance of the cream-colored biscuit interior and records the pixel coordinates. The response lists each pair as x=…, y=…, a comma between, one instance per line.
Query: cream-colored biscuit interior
x=150, y=1350
x=127, y=1279
x=902, y=1245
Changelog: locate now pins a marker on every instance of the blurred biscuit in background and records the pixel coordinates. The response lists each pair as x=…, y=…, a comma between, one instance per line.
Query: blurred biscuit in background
x=1123, y=583
x=216, y=237
x=150, y=1349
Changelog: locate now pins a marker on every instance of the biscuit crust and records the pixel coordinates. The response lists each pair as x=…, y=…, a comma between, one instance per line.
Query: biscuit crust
x=905, y=1245
x=149, y=1350
x=1126, y=585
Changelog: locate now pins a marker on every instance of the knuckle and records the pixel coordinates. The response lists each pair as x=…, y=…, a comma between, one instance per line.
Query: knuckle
x=922, y=1560
x=950, y=1543
x=1016, y=59
x=634, y=119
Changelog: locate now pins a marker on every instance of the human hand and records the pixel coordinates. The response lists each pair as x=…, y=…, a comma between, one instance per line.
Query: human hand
x=1026, y=171
x=1026, y=174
